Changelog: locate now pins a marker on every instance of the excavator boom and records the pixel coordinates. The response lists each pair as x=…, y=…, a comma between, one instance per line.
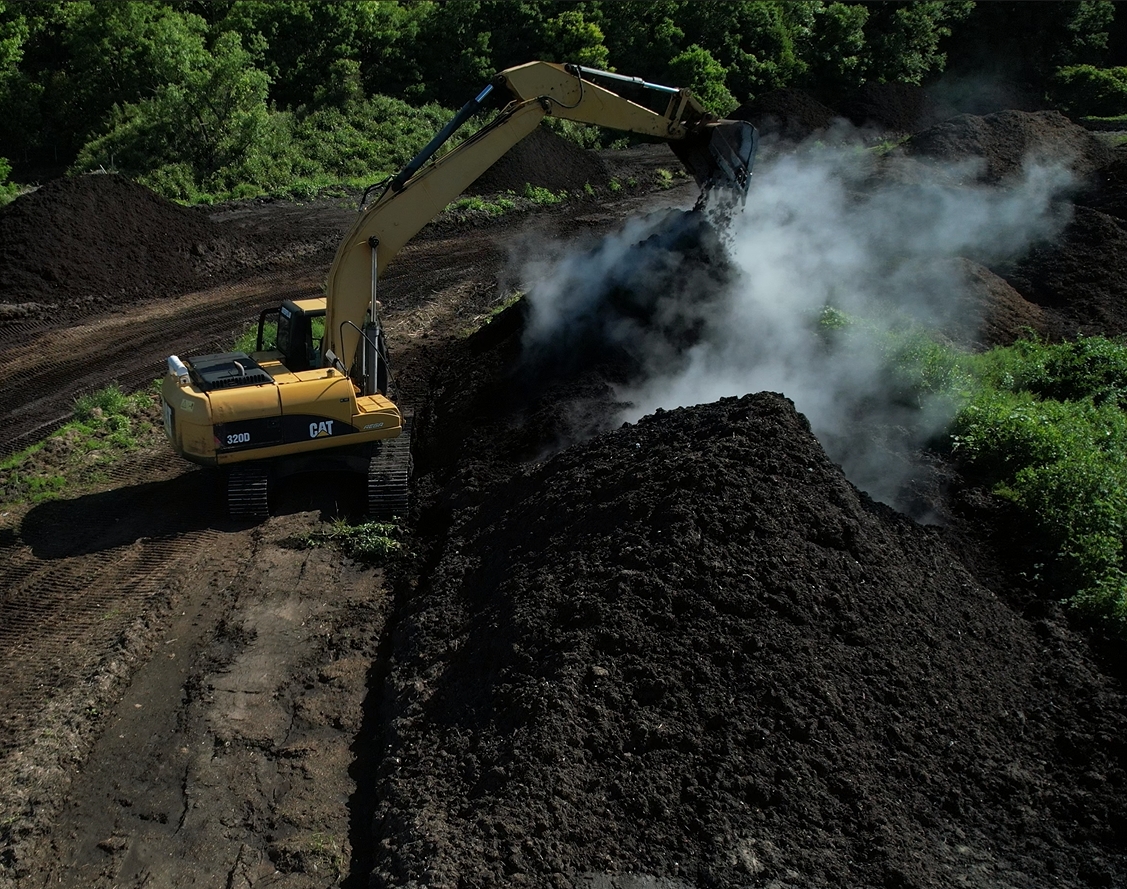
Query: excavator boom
x=307, y=402
x=718, y=153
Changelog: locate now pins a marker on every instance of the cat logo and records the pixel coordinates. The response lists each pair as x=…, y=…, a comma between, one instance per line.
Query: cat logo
x=321, y=430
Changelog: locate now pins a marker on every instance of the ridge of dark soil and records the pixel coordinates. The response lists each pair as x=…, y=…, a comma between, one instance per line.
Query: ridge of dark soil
x=690, y=649
x=67, y=241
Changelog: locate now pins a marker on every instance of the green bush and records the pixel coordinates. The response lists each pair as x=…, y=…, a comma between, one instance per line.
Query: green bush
x=1046, y=424
x=8, y=190
x=371, y=542
x=543, y=197
x=1085, y=90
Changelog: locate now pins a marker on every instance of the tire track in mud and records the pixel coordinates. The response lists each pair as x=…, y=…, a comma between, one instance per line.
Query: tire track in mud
x=61, y=617
x=79, y=573
x=257, y=726
x=43, y=368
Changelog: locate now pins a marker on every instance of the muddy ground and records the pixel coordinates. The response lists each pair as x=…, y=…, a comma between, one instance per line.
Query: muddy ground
x=687, y=652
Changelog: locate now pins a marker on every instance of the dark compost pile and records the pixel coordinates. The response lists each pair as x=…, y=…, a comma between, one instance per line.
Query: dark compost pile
x=690, y=653
x=66, y=244
x=690, y=649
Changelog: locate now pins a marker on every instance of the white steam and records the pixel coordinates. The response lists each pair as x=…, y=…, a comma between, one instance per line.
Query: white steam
x=815, y=233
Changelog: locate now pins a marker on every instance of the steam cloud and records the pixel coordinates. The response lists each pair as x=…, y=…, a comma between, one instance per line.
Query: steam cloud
x=815, y=233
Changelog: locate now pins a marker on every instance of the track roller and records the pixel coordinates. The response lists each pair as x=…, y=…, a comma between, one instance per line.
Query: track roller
x=248, y=489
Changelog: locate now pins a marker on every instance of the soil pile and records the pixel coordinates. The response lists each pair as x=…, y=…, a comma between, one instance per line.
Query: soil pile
x=1108, y=192
x=1082, y=276
x=788, y=113
x=67, y=243
x=990, y=312
x=543, y=160
x=690, y=653
x=1008, y=139
x=895, y=108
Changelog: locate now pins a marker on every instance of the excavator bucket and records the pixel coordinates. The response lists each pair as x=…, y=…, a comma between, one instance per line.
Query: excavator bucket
x=720, y=156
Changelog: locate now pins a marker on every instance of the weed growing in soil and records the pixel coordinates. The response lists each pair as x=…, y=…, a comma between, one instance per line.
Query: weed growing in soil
x=1046, y=424
x=476, y=204
x=107, y=425
x=543, y=197
x=371, y=542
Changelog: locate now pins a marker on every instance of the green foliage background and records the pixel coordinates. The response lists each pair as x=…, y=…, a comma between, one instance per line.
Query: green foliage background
x=205, y=99
x=1043, y=425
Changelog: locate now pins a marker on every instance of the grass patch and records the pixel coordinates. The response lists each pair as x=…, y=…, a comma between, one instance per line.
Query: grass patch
x=371, y=542
x=476, y=204
x=106, y=425
x=1112, y=139
x=543, y=197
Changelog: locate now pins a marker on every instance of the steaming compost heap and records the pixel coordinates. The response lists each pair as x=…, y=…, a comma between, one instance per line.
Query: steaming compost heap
x=688, y=652
x=689, y=648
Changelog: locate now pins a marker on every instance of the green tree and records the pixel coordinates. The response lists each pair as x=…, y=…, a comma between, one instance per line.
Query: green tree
x=8, y=190
x=210, y=131
x=13, y=35
x=904, y=39
x=454, y=48
x=390, y=61
x=36, y=132
x=121, y=52
x=569, y=37
x=14, y=32
x=1085, y=90
x=304, y=44
x=643, y=37
x=834, y=48
x=80, y=59
x=700, y=72
x=1029, y=41
x=754, y=40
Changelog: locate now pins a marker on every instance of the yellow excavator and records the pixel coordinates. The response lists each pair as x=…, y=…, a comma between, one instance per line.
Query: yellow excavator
x=317, y=397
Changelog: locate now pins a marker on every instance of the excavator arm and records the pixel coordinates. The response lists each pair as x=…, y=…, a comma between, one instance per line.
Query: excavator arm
x=718, y=153
x=270, y=414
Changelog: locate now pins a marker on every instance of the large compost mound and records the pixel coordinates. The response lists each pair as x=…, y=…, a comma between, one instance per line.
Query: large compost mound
x=1008, y=139
x=103, y=240
x=544, y=160
x=689, y=652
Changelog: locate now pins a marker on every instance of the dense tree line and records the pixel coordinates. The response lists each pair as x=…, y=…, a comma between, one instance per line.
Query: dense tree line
x=239, y=96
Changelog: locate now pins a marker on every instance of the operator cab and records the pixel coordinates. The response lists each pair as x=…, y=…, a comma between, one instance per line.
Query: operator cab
x=295, y=329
